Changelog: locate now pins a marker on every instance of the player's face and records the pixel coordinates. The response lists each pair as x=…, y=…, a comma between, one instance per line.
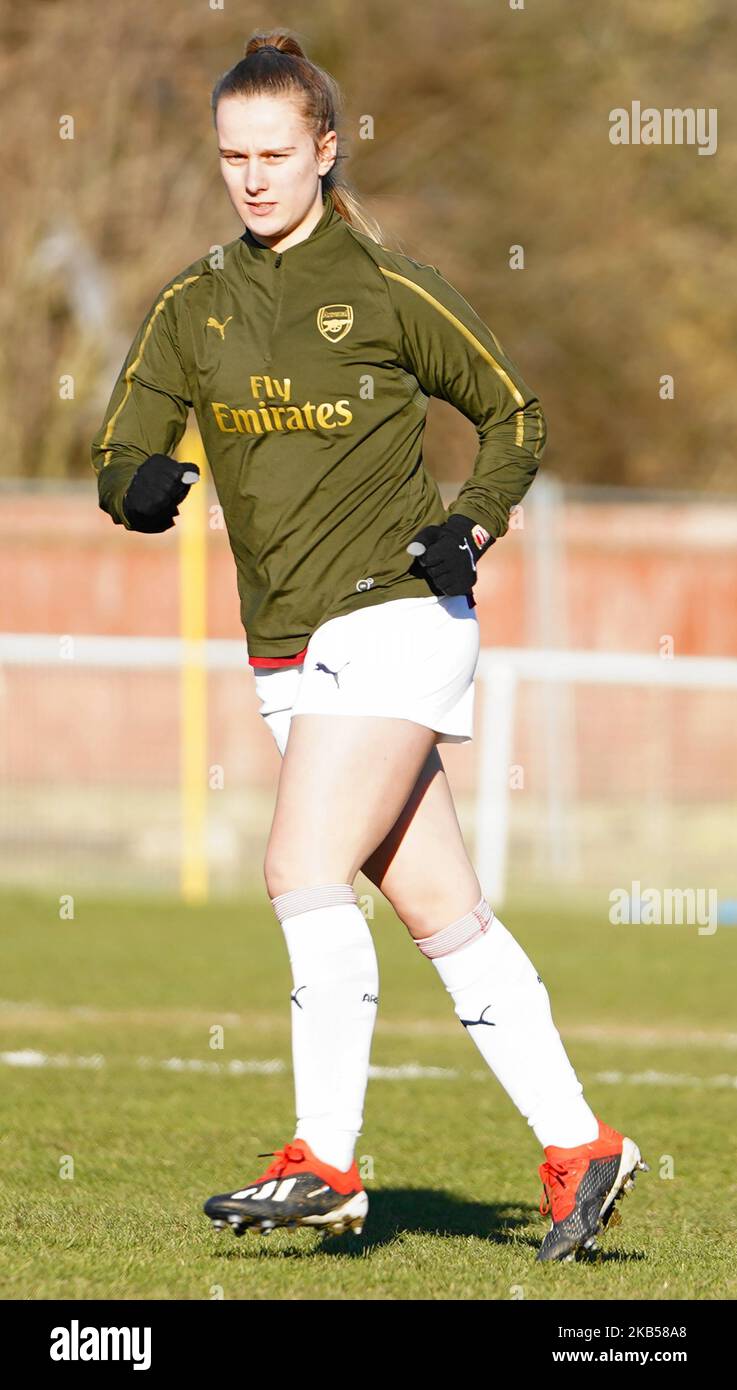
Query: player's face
x=270, y=166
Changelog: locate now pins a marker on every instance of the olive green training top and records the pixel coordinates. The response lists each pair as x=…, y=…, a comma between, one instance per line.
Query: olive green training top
x=310, y=371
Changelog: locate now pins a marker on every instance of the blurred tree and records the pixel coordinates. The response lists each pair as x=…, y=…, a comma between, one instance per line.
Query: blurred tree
x=491, y=130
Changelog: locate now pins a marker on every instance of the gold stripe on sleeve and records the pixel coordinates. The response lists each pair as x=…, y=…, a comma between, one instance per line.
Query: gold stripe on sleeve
x=129, y=374
x=540, y=437
x=473, y=340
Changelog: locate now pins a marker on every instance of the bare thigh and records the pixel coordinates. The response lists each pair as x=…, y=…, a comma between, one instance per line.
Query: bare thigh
x=422, y=866
x=342, y=784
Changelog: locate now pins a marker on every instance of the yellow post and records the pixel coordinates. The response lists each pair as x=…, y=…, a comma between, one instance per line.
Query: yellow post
x=192, y=527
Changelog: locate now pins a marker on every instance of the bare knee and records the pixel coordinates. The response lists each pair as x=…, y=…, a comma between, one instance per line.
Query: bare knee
x=280, y=876
x=285, y=870
x=428, y=908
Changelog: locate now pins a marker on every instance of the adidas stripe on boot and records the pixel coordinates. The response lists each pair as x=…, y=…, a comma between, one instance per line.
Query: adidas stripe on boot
x=297, y=1189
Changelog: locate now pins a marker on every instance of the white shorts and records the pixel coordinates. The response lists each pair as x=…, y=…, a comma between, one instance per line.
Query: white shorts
x=407, y=658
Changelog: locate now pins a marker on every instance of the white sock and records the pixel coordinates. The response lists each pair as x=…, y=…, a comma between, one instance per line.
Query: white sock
x=334, y=1003
x=500, y=997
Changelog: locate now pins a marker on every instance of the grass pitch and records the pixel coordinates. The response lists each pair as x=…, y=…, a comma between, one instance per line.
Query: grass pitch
x=119, y=1118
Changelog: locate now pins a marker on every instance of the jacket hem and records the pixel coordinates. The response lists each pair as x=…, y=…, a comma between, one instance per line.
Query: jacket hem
x=266, y=655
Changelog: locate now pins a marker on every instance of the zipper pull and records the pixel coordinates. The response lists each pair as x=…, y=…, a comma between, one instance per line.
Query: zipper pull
x=277, y=262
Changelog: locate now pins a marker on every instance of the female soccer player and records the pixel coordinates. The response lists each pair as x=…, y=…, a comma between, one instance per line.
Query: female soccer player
x=309, y=351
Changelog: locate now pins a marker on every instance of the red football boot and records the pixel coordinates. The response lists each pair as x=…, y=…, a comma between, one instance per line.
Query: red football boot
x=581, y=1186
x=297, y=1189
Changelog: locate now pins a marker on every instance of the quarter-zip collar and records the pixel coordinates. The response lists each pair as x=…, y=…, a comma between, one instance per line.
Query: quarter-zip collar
x=330, y=222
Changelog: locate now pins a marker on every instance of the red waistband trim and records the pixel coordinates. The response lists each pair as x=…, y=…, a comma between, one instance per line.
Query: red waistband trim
x=278, y=660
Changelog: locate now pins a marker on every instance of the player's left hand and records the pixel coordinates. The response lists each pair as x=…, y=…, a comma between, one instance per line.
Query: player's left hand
x=451, y=552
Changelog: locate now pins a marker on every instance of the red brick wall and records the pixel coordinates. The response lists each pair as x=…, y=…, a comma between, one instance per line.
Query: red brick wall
x=632, y=573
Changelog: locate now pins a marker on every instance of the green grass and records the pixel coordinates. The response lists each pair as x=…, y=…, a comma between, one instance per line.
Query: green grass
x=454, y=1191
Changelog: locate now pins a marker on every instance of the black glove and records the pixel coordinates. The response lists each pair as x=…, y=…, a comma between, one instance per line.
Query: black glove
x=150, y=504
x=451, y=553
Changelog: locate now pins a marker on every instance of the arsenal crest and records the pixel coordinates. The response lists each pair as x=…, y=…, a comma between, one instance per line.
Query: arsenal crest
x=334, y=321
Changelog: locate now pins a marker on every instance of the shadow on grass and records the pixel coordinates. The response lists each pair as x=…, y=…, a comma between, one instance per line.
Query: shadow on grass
x=396, y=1212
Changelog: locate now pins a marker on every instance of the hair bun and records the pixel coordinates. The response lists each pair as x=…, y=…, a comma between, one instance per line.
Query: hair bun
x=280, y=41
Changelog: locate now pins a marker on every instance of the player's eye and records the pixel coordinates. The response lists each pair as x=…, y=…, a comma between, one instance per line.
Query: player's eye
x=239, y=158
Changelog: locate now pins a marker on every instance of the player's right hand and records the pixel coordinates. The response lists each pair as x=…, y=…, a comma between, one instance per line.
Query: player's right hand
x=150, y=504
